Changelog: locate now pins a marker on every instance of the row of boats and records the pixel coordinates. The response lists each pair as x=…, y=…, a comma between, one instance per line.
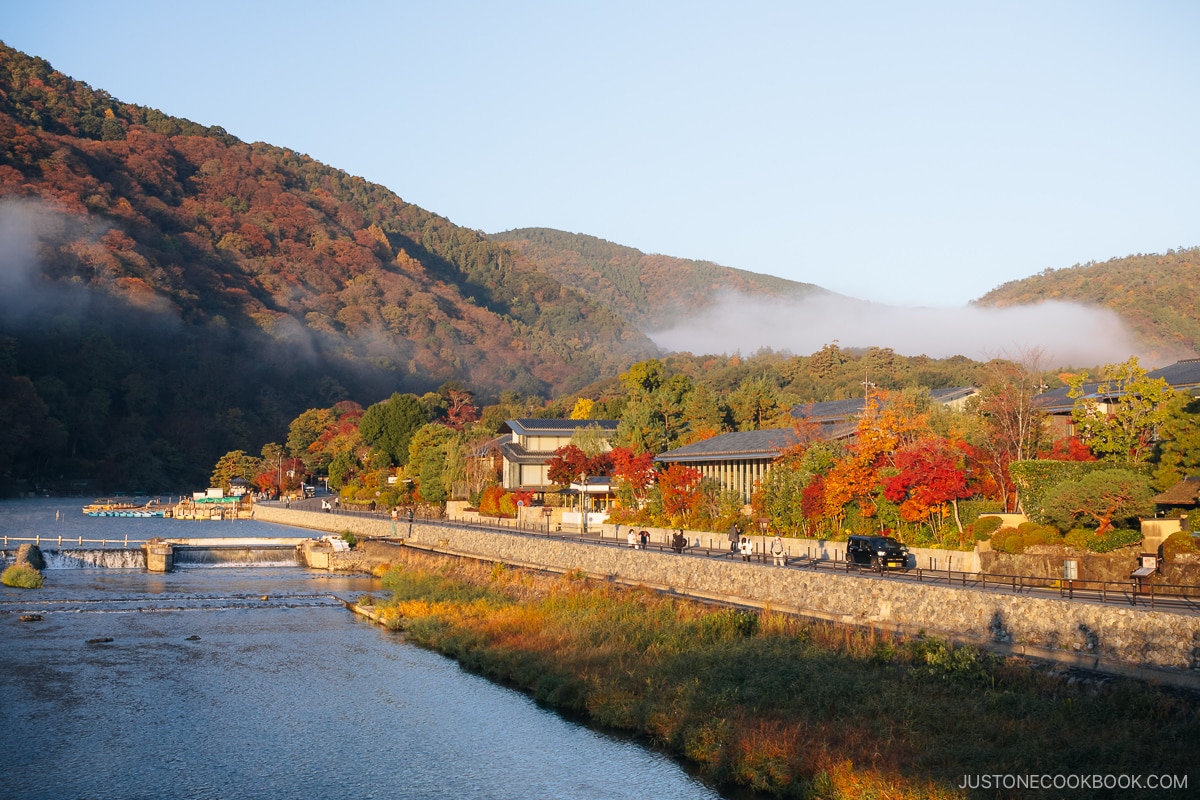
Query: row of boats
x=119, y=508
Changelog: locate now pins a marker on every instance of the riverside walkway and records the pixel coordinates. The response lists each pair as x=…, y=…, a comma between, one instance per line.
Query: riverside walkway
x=1179, y=598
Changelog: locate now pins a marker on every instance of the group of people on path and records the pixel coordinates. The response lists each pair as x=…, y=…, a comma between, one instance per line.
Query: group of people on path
x=745, y=546
x=640, y=539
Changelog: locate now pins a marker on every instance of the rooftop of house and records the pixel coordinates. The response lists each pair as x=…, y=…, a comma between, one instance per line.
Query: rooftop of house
x=841, y=410
x=555, y=427
x=1183, y=375
x=1184, y=493
x=741, y=444
x=516, y=454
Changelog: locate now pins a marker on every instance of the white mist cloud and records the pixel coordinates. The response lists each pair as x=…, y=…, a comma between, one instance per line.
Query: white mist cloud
x=21, y=225
x=28, y=225
x=1068, y=333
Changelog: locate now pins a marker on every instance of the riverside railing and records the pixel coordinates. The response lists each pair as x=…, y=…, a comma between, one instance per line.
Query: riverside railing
x=78, y=541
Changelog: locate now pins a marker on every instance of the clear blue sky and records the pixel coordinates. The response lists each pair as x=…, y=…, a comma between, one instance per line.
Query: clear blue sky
x=907, y=153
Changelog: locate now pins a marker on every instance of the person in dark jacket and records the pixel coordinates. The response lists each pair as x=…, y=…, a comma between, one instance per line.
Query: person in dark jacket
x=678, y=541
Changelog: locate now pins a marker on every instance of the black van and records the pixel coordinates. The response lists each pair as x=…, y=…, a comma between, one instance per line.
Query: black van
x=876, y=552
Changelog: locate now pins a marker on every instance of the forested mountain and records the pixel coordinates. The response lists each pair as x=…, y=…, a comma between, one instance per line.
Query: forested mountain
x=171, y=291
x=650, y=290
x=1157, y=295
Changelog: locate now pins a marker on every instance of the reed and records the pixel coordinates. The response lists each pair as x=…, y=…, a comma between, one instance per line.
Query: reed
x=785, y=706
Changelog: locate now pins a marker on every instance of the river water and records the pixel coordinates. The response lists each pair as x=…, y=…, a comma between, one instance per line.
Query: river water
x=244, y=682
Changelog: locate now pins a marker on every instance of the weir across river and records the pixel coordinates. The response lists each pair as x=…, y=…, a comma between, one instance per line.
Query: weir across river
x=163, y=554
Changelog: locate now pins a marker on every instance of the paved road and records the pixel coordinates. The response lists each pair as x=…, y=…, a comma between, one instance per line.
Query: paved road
x=1121, y=593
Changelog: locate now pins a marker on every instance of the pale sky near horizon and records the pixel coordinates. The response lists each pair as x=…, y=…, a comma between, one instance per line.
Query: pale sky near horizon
x=915, y=154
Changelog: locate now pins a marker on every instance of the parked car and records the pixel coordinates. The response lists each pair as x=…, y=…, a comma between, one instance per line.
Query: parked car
x=876, y=552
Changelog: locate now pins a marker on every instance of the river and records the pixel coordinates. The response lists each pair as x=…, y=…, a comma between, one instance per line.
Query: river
x=242, y=682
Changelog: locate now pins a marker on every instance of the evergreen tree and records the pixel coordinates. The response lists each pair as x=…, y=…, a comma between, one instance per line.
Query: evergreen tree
x=388, y=426
x=1177, y=454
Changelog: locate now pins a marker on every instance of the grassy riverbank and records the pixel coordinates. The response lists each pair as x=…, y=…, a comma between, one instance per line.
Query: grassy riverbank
x=785, y=706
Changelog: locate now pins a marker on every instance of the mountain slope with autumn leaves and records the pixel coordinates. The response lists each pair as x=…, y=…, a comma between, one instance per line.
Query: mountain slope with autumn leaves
x=652, y=291
x=1158, y=296
x=163, y=278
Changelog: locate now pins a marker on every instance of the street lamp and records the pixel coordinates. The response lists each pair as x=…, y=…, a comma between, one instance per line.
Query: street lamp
x=582, y=498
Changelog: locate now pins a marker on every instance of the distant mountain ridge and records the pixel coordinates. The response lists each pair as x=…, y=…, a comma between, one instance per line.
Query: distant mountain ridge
x=649, y=290
x=1157, y=295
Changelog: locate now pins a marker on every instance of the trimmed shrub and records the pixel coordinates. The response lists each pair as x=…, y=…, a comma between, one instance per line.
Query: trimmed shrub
x=1079, y=538
x=1006, y=540
x=986, y=526
x=1177, y=543
x=1027, y=534
x=1114, y=540
x=495, y=502
x=22, y=576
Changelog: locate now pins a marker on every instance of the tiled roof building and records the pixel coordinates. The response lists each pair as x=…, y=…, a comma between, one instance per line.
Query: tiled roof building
x=529, y=444
x=739, y=460
x=735, y=460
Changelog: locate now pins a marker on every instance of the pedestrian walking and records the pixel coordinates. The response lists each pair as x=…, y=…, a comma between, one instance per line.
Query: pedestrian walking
x=644, y=538
x=747, y=548
x=777, y=552
x=631, y=537
x=678, y=541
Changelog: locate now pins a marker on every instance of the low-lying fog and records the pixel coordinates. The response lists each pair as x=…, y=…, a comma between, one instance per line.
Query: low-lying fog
x=1066, y=333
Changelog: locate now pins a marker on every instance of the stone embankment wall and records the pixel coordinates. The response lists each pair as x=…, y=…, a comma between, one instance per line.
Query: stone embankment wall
x=1114, y=638
x=1048, y=560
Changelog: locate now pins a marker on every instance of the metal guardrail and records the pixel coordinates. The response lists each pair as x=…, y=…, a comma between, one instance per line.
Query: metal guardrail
x=78, y=541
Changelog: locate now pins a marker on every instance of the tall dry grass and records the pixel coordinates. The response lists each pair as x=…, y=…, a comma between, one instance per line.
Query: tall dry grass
x=784, y=706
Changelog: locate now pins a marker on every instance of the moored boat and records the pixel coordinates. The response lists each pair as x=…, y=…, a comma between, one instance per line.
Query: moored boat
x=120, y=508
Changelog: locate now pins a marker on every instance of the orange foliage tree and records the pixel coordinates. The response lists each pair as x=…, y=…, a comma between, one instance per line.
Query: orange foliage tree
x=681, y=492
x=887, y=424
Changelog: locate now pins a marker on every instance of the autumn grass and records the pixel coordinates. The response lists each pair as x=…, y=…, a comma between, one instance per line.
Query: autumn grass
x=786, y=707
x=22, y=576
